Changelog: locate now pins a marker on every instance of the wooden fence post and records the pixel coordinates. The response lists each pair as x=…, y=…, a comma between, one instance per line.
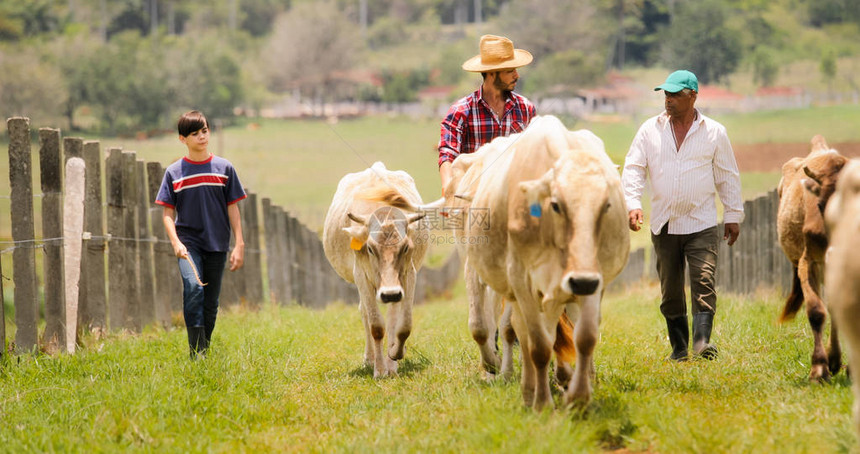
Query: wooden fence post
x=92, y=302
x=73, y=227
x=253, y=265
x=23, y=231
x=284, y=266
x=133, y=319
x=164, y=258
x=51, y=168
x=291, y=244
x=118, y=272
x=145, y=260
x=269, y=239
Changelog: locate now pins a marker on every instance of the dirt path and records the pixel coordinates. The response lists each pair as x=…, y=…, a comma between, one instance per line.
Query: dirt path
x=769, y=157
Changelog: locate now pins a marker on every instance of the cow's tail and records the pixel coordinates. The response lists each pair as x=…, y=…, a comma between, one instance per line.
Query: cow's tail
x=564, y=348
x=794, y=300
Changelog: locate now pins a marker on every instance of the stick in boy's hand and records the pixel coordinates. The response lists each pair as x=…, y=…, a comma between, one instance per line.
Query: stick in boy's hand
x=194, y=269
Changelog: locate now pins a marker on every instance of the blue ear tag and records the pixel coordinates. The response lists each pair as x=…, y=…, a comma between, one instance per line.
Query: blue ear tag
x=535, y=210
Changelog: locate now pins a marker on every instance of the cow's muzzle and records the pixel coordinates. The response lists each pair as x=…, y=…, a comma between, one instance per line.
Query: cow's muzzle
x=581, y=283
x=390, y=294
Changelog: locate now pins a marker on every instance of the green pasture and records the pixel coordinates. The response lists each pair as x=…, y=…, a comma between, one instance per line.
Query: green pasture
x=290, y=379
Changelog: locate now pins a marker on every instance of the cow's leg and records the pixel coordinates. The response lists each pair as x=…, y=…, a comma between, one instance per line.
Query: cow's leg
x=400, y=321
x=508, y=338
x=585, y=334
x=528, y=375
x=538, y=352
x=810, y=273
x=834, y=355
x=404, y=319
x=375, y=325
x=368, y=338
x=482, y=321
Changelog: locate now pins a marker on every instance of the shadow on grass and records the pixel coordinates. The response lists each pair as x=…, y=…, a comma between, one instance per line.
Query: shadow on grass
x=414, y=362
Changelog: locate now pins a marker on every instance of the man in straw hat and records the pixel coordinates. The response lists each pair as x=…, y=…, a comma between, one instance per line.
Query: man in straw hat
x=492, y=111
x=689, y=160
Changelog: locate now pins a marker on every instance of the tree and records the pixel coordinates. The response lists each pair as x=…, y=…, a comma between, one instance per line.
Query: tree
x=544, y=27
x=30, y=86
x=765, y=68
x=310, y=46
x=700, y=40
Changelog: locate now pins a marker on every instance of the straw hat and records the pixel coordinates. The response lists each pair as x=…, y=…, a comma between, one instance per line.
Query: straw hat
x=497, y=52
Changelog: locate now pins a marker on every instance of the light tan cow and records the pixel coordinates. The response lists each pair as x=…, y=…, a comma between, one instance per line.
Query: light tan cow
x=375, y=246
x=804, y=190
x=554, y=236
x=843, y=269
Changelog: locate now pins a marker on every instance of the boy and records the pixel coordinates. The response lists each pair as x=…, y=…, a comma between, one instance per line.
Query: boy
x=199, y=194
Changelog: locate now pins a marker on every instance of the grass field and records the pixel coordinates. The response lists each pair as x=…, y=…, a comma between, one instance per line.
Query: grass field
x=288, y=379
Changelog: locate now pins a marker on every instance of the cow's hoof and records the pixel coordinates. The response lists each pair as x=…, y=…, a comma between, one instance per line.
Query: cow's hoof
x=819, y=374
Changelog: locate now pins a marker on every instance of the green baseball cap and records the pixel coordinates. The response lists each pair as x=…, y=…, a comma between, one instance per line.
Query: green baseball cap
x=678, y=81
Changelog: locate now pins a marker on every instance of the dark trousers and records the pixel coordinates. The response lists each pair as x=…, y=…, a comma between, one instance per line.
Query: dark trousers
x=699, y=251
x=200, y=303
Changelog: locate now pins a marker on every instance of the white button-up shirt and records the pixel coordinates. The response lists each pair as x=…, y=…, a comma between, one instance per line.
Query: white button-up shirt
x=683, y=181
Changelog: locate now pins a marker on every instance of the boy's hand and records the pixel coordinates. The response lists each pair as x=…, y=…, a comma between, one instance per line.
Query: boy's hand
x=180, y=250
x=237, y=257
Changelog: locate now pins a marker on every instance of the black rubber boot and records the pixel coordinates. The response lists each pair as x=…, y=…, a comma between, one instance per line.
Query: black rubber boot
x=197, y=343
x=703, y=322
x=679, y=337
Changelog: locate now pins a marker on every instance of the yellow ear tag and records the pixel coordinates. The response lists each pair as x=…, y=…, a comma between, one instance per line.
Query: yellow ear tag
x=355, y=245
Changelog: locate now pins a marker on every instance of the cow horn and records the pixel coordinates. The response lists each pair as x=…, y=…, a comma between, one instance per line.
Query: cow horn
x=415, y=217
x=357, y=218
x=432, y=206
x=811, y=174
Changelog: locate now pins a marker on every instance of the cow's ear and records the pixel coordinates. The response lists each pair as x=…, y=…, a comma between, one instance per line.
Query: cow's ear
x=537, y=190
x=358, y=233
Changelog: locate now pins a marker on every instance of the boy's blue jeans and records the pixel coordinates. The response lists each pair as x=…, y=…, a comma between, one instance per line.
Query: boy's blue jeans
x=200, y=303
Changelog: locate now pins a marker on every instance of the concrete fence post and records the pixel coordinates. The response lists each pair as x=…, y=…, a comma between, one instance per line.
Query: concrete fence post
x=73, y=228
x=51, y=168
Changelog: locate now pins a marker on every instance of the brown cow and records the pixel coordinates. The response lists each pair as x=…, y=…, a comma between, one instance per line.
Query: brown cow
x=806, y=186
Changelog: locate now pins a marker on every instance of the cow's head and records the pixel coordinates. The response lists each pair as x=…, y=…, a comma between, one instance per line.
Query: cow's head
x=381, y=242
x=574, y=196
x=823, y=172
x=844, y=206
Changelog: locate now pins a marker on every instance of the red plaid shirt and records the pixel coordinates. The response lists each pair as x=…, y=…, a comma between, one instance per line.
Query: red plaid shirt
x=470, y=123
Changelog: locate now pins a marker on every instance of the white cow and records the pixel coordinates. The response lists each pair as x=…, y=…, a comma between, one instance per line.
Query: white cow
x=555, y=235
x=843, y=269
x=372, y=244
x=487, y=310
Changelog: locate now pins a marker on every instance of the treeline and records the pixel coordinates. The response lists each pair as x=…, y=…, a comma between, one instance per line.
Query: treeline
x=115, y=66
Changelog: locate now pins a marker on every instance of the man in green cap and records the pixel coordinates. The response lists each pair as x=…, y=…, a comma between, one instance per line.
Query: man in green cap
x=687, y=157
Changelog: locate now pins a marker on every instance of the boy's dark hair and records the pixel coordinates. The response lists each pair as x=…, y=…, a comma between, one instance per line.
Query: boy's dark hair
x=190, y=122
